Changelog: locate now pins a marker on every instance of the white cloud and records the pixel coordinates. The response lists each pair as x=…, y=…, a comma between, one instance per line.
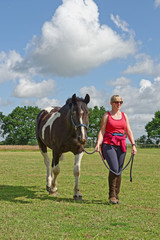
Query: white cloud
x=119, y=81
x=46, y=102
x=73, y=42
x=121, y=24
x=7, y=64
x=29, y=89
x=145, y=84
x=140, y=103
x=157, y=3
x=97, y=98
x=144, y=99
x=157, y=79
x=144, y=65
x=41, y=103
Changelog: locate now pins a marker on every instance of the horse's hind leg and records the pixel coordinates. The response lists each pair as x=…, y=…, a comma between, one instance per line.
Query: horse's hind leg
x=77, y=195
x=55, y=172
x=49, y=175
x=43, y=150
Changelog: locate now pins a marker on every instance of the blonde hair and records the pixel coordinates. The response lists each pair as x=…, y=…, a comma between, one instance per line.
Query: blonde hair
x=114, y=98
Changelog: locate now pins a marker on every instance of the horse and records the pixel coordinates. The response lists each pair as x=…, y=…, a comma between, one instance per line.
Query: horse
x=63, y=129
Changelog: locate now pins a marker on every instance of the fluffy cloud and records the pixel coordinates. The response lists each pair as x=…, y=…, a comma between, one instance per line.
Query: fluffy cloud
x=144, y=65
x=157, y=79
x=41, y=103
x=71, y=44
x=97, y=98
x=157, y=3
x=140, y=103
x=119, y=81
x=46, y=102
x=29, y=89
x=73, y=41
x=144, y=84
x=142, y=100
x=7, y=64
x=121, y=24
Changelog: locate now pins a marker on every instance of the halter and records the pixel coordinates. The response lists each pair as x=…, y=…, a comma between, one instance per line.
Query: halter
x=79, y=125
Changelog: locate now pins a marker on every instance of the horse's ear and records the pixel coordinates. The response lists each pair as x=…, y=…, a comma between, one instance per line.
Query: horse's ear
x=87, y=99
x=74, y=99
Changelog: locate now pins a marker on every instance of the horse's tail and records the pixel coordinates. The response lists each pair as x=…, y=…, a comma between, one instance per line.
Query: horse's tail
x=38, y=120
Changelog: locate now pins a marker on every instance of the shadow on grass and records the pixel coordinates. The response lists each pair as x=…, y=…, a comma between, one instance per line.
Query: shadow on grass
x=71, y=200
x=26, y=194
x=17, y=193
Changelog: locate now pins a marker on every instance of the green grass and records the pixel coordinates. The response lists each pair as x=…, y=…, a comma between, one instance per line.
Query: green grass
x=27, y=211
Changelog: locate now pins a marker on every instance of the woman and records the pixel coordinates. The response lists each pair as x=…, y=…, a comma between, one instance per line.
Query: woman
x=114, y=125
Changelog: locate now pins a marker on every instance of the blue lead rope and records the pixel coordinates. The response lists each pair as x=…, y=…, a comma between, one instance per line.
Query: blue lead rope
x=130, y=160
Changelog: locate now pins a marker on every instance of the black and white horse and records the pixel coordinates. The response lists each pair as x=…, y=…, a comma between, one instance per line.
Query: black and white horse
x=63, y=129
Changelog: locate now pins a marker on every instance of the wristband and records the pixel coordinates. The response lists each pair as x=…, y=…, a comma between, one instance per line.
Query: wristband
x=133, y=144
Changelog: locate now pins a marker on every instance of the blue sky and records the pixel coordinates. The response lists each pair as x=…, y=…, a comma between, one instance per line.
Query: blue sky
x=50, y=50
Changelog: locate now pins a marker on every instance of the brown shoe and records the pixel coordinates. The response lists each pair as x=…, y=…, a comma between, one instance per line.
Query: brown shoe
x=118, y=184
x=118, y=201
x=112, y=179
x=113, y=200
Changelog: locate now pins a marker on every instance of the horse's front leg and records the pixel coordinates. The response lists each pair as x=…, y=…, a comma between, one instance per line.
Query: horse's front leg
x=77, y=195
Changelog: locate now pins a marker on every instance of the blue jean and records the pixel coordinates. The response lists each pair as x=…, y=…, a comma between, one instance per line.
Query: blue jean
x=114, y=156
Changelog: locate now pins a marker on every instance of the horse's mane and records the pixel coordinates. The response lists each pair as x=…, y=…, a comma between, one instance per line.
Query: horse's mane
x=78, y=99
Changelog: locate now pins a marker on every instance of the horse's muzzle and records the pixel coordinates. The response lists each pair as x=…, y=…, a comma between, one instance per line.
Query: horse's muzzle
x=82, y=141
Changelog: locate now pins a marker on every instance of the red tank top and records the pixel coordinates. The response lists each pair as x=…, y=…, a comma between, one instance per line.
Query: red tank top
x=114, y=126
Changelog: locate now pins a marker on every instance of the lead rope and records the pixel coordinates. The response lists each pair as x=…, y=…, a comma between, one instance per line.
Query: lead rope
x=130, y=160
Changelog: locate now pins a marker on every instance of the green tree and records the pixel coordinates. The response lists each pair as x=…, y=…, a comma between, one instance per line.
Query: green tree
x=144, y=141
x=95, y=118
x=18, y=127
x=141, y=140
x=153, y=128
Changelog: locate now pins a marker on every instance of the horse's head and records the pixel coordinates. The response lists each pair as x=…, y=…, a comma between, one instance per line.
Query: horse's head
x=79, y=117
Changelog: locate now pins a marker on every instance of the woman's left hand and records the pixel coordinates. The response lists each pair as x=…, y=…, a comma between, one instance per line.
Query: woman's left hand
x=134, y=149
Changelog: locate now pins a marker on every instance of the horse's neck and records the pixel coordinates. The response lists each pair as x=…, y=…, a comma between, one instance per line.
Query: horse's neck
x=66, y=114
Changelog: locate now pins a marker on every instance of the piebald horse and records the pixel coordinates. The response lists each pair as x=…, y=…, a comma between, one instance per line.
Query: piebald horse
x=62, y=130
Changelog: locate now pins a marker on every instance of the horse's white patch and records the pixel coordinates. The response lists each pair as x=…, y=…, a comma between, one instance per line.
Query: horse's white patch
x=77, y=166
x=47, y=163
x=82, y=128
x=50, y=121
x=78, y=158
x=48, y=109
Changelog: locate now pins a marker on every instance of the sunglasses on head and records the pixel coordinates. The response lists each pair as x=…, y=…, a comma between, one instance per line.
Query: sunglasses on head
x=120, y=102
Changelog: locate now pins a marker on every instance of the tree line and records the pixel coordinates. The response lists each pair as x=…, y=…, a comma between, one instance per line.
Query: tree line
x=153, y=132
x=18, y=127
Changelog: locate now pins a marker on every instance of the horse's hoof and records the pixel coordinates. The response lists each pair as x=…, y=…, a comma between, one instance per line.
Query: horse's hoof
x=55, y=193
x=48, y=188
x=77, y=198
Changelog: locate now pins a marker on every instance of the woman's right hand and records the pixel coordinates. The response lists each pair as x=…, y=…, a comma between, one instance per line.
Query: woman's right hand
x=101, y=132
x=97, y=148
x=134, y=149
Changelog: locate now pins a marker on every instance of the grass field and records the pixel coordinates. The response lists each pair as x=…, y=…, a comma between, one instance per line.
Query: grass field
x=27, y=211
